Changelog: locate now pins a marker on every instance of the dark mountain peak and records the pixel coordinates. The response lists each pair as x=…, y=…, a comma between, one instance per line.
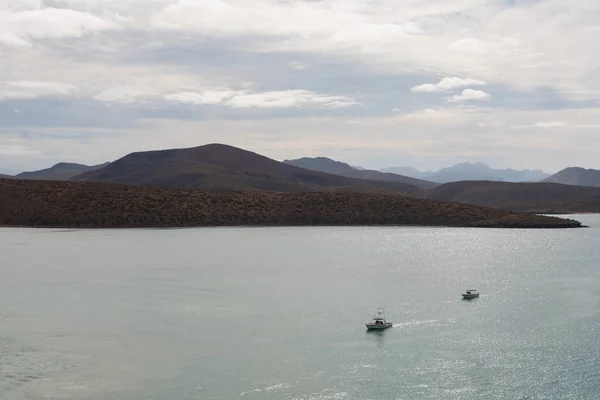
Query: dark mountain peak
x=576, y=169
x=576, y=176
x=67, y=165
x=322, y=164
x=61, y=171
x=224, y=167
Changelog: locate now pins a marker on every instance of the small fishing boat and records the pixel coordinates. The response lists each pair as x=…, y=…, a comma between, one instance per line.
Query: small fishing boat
x=379, y=321
x=470, y=294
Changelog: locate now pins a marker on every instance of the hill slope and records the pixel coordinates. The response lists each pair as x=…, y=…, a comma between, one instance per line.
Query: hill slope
x=59, y=172
x=327, y=165
x=523, y=197
x=5, y=176
x=217, y=166
x=576, y=176
x=82, y=204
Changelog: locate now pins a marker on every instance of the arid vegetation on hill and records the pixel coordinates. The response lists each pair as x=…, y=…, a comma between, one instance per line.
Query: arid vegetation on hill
x=523, y=197
x=81, y=204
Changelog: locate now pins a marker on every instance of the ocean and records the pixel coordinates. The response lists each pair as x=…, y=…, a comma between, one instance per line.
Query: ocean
x=279, y=313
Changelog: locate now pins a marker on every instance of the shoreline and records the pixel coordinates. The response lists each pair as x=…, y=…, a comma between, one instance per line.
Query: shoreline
x=91, y=228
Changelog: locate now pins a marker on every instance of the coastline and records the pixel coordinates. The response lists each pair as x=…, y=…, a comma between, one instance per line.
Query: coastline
x=66, y=227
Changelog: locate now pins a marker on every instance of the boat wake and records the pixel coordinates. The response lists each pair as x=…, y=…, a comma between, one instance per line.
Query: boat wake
x=416, y=323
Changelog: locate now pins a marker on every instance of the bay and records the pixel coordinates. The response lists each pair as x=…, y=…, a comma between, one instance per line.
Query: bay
x=279, y=313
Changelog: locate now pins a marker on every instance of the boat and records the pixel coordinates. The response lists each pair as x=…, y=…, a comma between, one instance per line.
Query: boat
x=470, y=294
x=379, y=321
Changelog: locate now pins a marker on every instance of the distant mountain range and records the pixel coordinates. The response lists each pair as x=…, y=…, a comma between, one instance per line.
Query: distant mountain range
x=226, y=168
x=59, y=172
x=471, y=172
x=327, y=165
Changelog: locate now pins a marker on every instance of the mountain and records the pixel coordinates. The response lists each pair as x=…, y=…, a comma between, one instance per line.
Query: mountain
x=85, y=205
x=5, y=176
x=327, y=165
x=539, y=197
x=59, y=172
x=474, y=172
x=408, y=171
x=576, y=176
x=223, y=167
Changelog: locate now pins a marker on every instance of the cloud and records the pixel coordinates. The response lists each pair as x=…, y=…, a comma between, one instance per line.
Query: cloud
x=298, y=65
x=470, y=94
x=20, y=27
x=445, y=37
x=587, y=126
x=227, y=97
x=289, y=98
x=16, y=150
x=107, y=64
x=543, y=125
x=215, y=96
x=446, y=84
x=33, y=90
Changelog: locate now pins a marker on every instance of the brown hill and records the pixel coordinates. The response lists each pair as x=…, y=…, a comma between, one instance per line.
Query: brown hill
x=5, y=176
x=327, y=165
x=59, y=172
x=81, y=204
x=222, y=167
x=523, y=197
x=576, y=176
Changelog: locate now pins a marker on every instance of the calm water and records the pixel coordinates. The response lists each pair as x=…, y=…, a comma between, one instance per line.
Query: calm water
x=278, y=313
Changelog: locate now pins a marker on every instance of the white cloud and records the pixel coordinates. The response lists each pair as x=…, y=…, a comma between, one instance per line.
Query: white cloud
x=12, y=150
x=35, y=89
x=289, y=98
x=549, y=124
x=128, y=94
x=298, y=65
x=587, y=126
x=470, y=94
x=543, y=125
x=447, y=84
x=215, y=96
x=226, y=97
x=18, y=27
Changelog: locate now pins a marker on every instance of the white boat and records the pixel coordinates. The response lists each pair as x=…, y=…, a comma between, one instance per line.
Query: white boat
x=379, y=321
x=470, y=294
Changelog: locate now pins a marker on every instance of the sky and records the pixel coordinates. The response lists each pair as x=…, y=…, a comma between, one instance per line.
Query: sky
x=375, y=83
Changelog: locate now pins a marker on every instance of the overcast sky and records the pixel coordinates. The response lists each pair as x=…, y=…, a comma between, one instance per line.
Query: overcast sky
x=425, y=83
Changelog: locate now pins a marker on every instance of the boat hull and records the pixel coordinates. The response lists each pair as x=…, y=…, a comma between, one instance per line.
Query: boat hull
x=378, y=327
x=470, y=296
